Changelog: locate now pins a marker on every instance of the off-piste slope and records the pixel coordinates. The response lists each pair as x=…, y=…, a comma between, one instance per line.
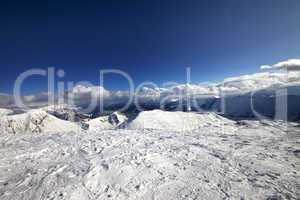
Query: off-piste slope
x=258, y=162
x=35, y=121
x=177, y=121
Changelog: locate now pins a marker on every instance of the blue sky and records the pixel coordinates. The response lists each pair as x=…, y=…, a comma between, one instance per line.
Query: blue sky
x=150, y=40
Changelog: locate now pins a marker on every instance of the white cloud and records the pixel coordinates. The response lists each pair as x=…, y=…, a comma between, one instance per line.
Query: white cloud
x=290, y=65
x=266, y=67
x=92, y=90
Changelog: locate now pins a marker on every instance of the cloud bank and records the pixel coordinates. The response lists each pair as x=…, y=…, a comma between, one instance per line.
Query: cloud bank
x=289, y=65
x=83, y=94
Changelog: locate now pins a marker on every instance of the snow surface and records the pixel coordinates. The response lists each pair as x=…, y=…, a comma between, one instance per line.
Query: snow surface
x=259, y=160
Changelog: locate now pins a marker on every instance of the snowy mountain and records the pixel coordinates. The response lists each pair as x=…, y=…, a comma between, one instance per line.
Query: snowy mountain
x=278, y=103
x=246, y=96
x=176, y=121
x=234, y=97
x=111, y=121
x=35, y=121
x=65, y=112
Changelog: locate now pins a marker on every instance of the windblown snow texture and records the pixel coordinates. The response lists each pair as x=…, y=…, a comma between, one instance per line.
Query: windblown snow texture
x=210, y=158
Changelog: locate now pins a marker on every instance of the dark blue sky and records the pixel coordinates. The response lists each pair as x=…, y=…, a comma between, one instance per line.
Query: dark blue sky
x=150, y=40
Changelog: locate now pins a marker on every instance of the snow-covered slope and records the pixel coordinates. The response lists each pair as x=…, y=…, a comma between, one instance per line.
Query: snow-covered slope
x=258, y=162
x=176, y=121
x=107, y=122
x=35, y=121
x=4, y=112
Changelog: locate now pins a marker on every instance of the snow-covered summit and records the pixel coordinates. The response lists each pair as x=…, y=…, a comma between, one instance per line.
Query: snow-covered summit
x=111, y=121
x=35, y=121
x=176, y=121
x=64, y=112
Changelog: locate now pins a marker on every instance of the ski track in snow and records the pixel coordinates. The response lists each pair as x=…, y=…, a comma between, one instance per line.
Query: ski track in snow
x=256, y=161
